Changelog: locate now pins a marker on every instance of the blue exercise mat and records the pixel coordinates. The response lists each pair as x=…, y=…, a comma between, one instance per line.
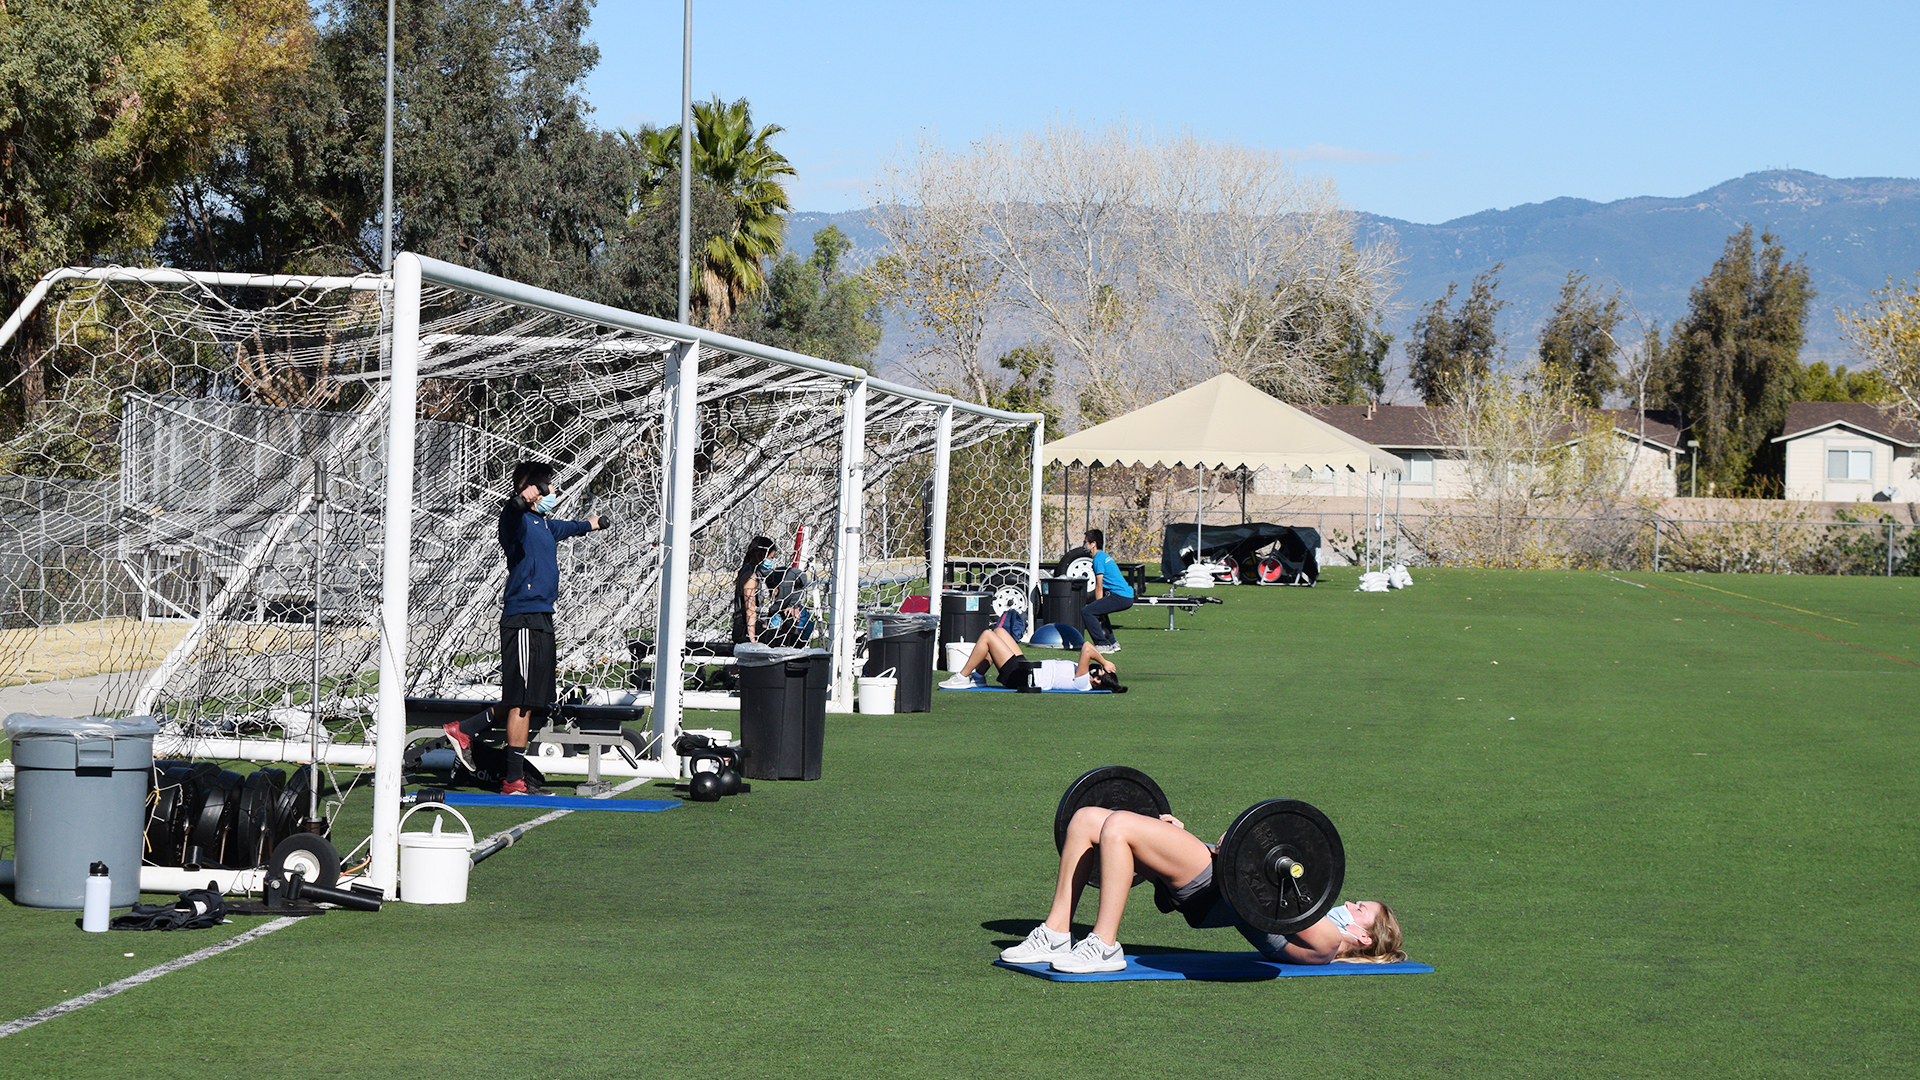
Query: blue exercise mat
x=560, y=802
x=1009, y=690
x=1215, y=966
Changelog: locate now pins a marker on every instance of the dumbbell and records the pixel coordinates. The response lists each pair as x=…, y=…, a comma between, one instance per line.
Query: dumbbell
x=1280, y=865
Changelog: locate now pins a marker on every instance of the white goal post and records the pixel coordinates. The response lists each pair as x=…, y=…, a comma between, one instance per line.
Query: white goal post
x=220, y=508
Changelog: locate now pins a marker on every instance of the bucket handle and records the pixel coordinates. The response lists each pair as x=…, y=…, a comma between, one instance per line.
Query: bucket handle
x=441, y=807
x=890, y=673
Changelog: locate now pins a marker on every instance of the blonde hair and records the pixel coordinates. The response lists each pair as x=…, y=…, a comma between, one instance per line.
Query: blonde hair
x=1386, y=947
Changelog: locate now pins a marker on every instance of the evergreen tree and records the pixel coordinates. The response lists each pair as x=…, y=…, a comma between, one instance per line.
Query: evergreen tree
x=495, y=164
x=1448, y=349
x=1358, y=370
x=1731, y=366
x=816, y=307
x=1577, y=341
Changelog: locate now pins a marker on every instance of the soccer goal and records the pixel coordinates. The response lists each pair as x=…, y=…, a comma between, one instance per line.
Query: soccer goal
x=195, y=506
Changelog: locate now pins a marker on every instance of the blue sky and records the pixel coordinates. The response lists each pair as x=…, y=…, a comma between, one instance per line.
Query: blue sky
x=1422, y=111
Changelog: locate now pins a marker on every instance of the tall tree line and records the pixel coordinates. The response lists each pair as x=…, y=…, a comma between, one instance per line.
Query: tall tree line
x=247, y=135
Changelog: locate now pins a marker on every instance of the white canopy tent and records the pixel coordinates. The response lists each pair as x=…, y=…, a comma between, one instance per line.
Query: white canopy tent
x=1225, y=423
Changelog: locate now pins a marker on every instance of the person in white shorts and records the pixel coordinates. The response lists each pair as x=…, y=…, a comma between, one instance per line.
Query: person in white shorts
x=1002, y=650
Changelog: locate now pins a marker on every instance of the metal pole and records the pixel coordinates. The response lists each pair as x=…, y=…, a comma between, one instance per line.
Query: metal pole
x=396, y=566
x=937, y=542
x=1033, y=530
x=686, y=160
x=1656, y=545
x=319, y=553
x=682, y=405
x=386, y=191
x=1086, y=520
x=1200, y=516
x=1889, y=549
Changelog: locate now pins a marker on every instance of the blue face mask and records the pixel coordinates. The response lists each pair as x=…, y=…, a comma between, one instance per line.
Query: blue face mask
x=547, y=503
x=766, y=566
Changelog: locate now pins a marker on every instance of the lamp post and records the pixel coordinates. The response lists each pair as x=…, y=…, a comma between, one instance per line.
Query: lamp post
x=1693, y=468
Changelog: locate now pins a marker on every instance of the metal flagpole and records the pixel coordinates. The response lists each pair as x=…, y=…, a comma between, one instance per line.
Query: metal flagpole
x=386, y=195
x=686, y=160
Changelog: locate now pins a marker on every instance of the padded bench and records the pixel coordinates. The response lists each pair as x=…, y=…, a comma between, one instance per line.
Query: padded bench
x=1175, y=602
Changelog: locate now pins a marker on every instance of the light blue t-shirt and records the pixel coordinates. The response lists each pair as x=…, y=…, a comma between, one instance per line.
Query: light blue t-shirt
x=1111, y=579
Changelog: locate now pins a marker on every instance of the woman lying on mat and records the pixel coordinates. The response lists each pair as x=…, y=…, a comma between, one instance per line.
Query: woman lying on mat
x=1133, y=847
x=1002, y=649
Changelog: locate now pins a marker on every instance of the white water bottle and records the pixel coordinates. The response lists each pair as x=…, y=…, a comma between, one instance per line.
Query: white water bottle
x=93, y=915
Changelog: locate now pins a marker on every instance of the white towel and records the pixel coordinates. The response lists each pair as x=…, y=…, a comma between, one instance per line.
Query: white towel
x=1374, y=581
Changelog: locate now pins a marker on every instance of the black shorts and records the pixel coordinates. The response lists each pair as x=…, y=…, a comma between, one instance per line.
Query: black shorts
x=527, y=661
x=1016, y=673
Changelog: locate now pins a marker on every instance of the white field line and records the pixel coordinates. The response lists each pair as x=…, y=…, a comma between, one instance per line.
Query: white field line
x=131, y=981
x=237, y=940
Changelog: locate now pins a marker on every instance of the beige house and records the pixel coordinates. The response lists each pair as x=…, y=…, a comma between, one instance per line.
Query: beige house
x=1848, y=451
x=1436, y=470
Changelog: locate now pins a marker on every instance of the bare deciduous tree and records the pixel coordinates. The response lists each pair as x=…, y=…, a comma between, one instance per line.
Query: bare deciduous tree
x=1146, y=264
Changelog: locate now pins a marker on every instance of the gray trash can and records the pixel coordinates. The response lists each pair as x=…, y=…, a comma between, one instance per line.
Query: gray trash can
x=80, y=797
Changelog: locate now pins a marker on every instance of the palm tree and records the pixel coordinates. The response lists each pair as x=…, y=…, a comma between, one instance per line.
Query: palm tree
x=731, y=155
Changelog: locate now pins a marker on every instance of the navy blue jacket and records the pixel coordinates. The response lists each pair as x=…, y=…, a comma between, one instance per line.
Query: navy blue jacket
x=532, y=544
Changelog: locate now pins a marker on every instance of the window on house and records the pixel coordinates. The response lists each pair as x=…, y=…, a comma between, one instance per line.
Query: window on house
x=1849, y=464
x=1420, y=469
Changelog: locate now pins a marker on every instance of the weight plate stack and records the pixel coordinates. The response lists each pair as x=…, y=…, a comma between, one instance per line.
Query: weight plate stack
x=1281, y=865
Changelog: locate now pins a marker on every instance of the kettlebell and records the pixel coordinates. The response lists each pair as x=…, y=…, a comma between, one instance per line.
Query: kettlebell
x=729, y=780
x=705, y=787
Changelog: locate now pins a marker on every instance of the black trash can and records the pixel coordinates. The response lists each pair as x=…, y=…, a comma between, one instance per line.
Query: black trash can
x=783, y=711
x=907, y=649
x=1061, y=599
x=964, y=616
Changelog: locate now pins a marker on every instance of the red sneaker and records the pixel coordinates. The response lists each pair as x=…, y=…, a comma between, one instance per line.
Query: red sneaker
x=523, y=787
x=462, y=745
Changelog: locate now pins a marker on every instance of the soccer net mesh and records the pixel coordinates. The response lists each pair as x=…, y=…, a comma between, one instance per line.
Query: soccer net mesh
x=191, y=504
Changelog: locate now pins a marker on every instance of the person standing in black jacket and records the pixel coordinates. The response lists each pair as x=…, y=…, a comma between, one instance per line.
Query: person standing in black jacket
x=530, y=538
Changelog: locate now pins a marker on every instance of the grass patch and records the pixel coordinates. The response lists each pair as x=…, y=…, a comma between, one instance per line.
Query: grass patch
x=1644, y=832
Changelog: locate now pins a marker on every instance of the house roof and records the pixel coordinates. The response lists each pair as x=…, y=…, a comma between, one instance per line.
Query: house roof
x=1412, y=427
x=1810, y=417
x=1221, y=423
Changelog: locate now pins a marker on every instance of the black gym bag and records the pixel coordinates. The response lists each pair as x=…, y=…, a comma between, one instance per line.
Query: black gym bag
x=196, y=909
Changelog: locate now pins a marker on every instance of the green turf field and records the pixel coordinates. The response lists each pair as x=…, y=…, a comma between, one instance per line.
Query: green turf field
x=1640, y=832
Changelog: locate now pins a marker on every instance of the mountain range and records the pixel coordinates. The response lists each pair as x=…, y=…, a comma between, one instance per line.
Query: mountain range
x=1854, y=234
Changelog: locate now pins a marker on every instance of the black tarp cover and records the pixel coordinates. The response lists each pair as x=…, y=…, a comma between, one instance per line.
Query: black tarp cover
x=1241, y=543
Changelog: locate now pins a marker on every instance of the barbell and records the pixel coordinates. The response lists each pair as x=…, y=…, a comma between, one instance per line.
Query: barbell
x=1280, y=865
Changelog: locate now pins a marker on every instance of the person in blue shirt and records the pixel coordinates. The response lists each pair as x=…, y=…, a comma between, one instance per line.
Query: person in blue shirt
x=1111, y=593
x=530, y=538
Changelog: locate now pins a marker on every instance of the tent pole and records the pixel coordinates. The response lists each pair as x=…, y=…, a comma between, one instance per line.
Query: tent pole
x=1087, y=521
x=1200, y=516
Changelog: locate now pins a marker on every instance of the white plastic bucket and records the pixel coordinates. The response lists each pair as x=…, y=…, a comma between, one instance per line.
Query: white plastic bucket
x=957, y=653
x=434, y=865
x=877, y=692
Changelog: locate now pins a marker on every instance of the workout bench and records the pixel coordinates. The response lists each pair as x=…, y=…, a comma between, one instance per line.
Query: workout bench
x=1173, y=603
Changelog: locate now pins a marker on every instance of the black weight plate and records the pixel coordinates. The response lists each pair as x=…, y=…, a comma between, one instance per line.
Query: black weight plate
x=1115, y=787
x=290, y=809
x=219, y=798
x=1259, y=887
x=253, y=823
x=165, y=815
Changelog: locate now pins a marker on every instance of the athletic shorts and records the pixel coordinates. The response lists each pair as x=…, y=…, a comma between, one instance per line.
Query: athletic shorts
x=527, y=661
x=1204, y=907
x=1016, y=673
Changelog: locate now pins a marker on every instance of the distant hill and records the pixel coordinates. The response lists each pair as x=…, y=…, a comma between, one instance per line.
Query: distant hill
x=1853, y=233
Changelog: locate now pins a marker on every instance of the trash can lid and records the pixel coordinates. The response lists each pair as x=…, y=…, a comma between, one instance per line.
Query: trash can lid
x=906, y=620
x=29, y=725
x=754, y=654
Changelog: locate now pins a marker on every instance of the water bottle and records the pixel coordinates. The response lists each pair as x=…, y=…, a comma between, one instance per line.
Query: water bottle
x=94, y=913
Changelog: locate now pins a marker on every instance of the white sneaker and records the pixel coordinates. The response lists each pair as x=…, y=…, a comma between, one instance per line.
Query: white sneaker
x=958, y=682
x=1042, y=946
x=1092, y=955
